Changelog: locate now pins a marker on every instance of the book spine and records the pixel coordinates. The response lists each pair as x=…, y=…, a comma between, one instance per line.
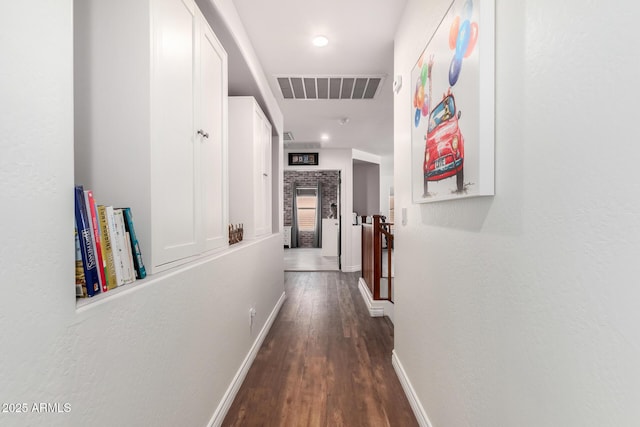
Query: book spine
x=86, y=247
x=132, y=268
x=125, y=247
x=141, y=272
x=81, y=283
x=97, y=248
x=115, y=245
x=107, y=248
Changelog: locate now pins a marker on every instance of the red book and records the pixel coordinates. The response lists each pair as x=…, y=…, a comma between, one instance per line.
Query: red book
x=91, y=208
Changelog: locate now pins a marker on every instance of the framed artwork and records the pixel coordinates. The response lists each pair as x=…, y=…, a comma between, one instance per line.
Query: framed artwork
x=452, y=104
x=303, y=159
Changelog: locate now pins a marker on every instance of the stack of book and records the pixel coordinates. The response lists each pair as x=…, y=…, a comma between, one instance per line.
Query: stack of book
x=107, y=250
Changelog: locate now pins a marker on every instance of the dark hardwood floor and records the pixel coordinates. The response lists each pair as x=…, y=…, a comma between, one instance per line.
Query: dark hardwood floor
x=325, y=362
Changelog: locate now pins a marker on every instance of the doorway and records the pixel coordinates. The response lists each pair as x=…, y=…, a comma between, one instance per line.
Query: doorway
x=311, y=199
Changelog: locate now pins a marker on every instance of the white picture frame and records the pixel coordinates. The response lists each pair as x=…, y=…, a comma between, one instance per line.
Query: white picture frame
x=452, y=152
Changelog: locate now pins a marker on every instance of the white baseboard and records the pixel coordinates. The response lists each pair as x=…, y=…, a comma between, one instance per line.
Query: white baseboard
x=230, y=394
x=418, y=410
x=351, y=268
x=376, y=308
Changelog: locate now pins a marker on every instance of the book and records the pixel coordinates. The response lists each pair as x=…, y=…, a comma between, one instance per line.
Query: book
x=95, y=229
x=141, y=272
x=107, y=248
x=131, y=267
x=124, y=248
x=115, y=246
x=81, y=283
x=86, y=247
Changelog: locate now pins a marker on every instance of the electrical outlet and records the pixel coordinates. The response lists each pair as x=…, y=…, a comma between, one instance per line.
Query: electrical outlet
x=252, y=315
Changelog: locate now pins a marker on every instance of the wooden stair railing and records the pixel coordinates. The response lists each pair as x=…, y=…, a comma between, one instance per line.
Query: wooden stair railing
x=385, y=229
x=372, y=255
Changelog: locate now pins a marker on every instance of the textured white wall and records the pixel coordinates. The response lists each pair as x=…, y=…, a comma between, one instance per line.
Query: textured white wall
x=162, y=353
x=522, y=309
x=366, y=188
x=386, y=184
x=36, y=181
x=360, y=189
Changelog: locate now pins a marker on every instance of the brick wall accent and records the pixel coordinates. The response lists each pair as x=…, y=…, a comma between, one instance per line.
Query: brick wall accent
x=329, y=180
x=305, y=239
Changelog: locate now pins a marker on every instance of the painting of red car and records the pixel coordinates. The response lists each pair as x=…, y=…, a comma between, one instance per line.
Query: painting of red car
x=444, y=148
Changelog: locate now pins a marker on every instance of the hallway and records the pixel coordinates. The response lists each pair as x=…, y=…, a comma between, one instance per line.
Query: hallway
x=325, y=362
x=309, y=259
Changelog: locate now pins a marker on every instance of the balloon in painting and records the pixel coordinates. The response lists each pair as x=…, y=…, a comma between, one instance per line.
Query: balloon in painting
x=454, y=70
x=425, y=106
x=453, y=32
x=424, y=74
x=473, y=38
x=417, y=117
x=463, y=39
x=420, y=99
x=467, y=9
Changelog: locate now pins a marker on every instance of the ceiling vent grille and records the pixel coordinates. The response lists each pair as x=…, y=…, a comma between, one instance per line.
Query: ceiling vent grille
x=352, y=87
x=287, y=136
x=302, y=145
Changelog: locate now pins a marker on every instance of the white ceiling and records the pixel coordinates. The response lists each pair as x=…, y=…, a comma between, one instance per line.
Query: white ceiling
x=360, y=36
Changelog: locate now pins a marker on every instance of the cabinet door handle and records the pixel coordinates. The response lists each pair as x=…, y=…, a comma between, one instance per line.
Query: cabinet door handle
x=203, y=133
x=264, y=174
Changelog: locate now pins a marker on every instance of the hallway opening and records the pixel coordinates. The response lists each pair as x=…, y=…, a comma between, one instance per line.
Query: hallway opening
x=312, y=220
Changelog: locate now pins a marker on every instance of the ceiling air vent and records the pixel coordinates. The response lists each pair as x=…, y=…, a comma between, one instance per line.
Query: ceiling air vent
x=346, y=87
x=287, y=136
x=302, y=145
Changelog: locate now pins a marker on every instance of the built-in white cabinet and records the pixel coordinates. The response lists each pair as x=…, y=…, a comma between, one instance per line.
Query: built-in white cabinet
x=151, y=122
x=286, y=235
x=330, y=236
x=250, y=178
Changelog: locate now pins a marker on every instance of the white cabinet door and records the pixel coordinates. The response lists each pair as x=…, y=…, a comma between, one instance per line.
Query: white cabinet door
x=330, y=233
x=262, y=162
x=213, y=114
x=152, y=75
x=175, y=165
x=249, y=184
x=266, y=176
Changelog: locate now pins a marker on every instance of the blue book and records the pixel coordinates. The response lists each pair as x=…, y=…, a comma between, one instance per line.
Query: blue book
x=85, y=232
x=141, y=272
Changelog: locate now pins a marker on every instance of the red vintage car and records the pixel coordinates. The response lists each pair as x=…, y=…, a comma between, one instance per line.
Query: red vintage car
x=444, y=148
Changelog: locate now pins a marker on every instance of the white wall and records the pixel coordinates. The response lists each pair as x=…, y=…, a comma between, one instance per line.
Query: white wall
x=384, y=175
x=386, y=184
x=522, y=309
x=366, y=188
x=162, y=353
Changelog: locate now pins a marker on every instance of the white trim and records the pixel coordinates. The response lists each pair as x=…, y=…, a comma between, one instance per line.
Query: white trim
x=351, y=268
x=418, y=410
x=365, y=156
x=230, y=394
x=376, y=308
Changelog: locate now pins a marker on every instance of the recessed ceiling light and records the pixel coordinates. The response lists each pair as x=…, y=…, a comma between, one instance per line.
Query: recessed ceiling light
x=320, y=41
x=324, y=137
